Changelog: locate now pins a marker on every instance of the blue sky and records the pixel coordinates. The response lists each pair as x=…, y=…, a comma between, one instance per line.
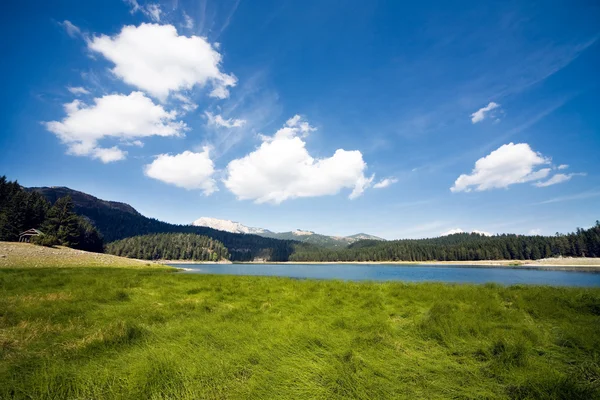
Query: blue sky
x=399, y=119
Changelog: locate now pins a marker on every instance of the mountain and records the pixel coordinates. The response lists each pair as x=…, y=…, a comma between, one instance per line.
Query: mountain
x=364, y=236
x=117, y=220
x=82, y=200
x=296, y=235
x=227, y=226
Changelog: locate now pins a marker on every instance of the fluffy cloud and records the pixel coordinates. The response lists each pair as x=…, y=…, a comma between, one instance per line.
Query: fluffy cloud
x=480, y=114
x=385, y=183
x=77, y=90
x=219, y=121
x=157, y=60
x=563, y=166
x=187, y=170
x=281, y=169
x=118, y=116
x=72, y=30
x=557, y=178
x=509, y=164
x=109, y=155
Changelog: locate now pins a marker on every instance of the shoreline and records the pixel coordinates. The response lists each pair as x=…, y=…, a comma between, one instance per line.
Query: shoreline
x=166, y=262
x=560, y=264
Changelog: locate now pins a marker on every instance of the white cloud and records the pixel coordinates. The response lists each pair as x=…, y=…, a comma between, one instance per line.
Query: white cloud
x=77, y=90
x=579, y=196
x=109, y=155
x=558, y=178
x=281, y=169
x=385, y=183
x=118, y=116
x=458, y=230
x=187, y=104
x=219, y=121
x=151, y=11
x=563, y=166
x=134, y=5
x=189, y=22
x=480, y=114
x=452, y=232
x=157, y=60
x=535, y=232
x=137, y=143
x=509, y=164
x=187, y=170
x=72, y=30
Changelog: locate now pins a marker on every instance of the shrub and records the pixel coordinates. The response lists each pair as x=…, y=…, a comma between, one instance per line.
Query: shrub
x=45, y=240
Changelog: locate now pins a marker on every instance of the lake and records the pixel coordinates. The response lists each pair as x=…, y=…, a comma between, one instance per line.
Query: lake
x=412, y=273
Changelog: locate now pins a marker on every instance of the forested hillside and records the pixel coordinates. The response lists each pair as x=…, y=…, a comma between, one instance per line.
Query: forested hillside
x=170, y=246
x=464, y=247
x=119, y=220
x=21, y=210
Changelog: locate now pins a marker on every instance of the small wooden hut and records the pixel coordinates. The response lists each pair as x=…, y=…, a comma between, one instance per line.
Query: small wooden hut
x=26, y=236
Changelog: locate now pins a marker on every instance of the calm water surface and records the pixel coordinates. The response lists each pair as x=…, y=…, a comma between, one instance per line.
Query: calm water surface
x=413, y=273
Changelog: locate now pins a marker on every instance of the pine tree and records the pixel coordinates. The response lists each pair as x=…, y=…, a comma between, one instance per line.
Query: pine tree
x=63, y=223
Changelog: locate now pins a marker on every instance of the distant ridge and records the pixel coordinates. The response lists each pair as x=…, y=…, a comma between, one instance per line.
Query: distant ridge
x=298, y=234
x=81, y=199
x=227, y=226
x=365, y=236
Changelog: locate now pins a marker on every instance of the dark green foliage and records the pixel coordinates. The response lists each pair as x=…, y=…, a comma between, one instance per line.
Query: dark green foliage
x=170, y=246
x=21, y=210
x=89, y=238
x=62, y=222
x=463, y=247
x=45, y=240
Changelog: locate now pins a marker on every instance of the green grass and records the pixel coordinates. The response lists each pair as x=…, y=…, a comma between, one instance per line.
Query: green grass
x=93, y=333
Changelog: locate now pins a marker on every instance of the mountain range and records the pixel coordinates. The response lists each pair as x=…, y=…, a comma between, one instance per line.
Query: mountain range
x=115, y=220
x=297, y=235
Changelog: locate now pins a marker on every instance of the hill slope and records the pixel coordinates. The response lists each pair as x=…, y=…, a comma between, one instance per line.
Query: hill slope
x=25, y=255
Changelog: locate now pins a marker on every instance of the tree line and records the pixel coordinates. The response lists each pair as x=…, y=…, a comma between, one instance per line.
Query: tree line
x=170, y=246
x=21, y=210
x=463, y=247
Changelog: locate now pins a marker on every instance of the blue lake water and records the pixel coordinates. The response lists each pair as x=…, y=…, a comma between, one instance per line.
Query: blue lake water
x=412, y=273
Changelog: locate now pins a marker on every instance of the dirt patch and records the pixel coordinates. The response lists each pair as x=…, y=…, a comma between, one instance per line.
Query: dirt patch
x=25, y=255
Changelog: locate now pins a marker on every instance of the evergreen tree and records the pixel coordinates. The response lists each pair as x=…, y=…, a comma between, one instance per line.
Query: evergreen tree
x=63, y=223
x=89, y=237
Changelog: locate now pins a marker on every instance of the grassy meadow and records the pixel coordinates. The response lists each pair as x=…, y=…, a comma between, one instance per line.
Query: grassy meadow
x=151, y=333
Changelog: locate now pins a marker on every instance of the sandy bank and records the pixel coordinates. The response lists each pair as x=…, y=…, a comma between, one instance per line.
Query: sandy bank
x=192, y=262
x=557, y=264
